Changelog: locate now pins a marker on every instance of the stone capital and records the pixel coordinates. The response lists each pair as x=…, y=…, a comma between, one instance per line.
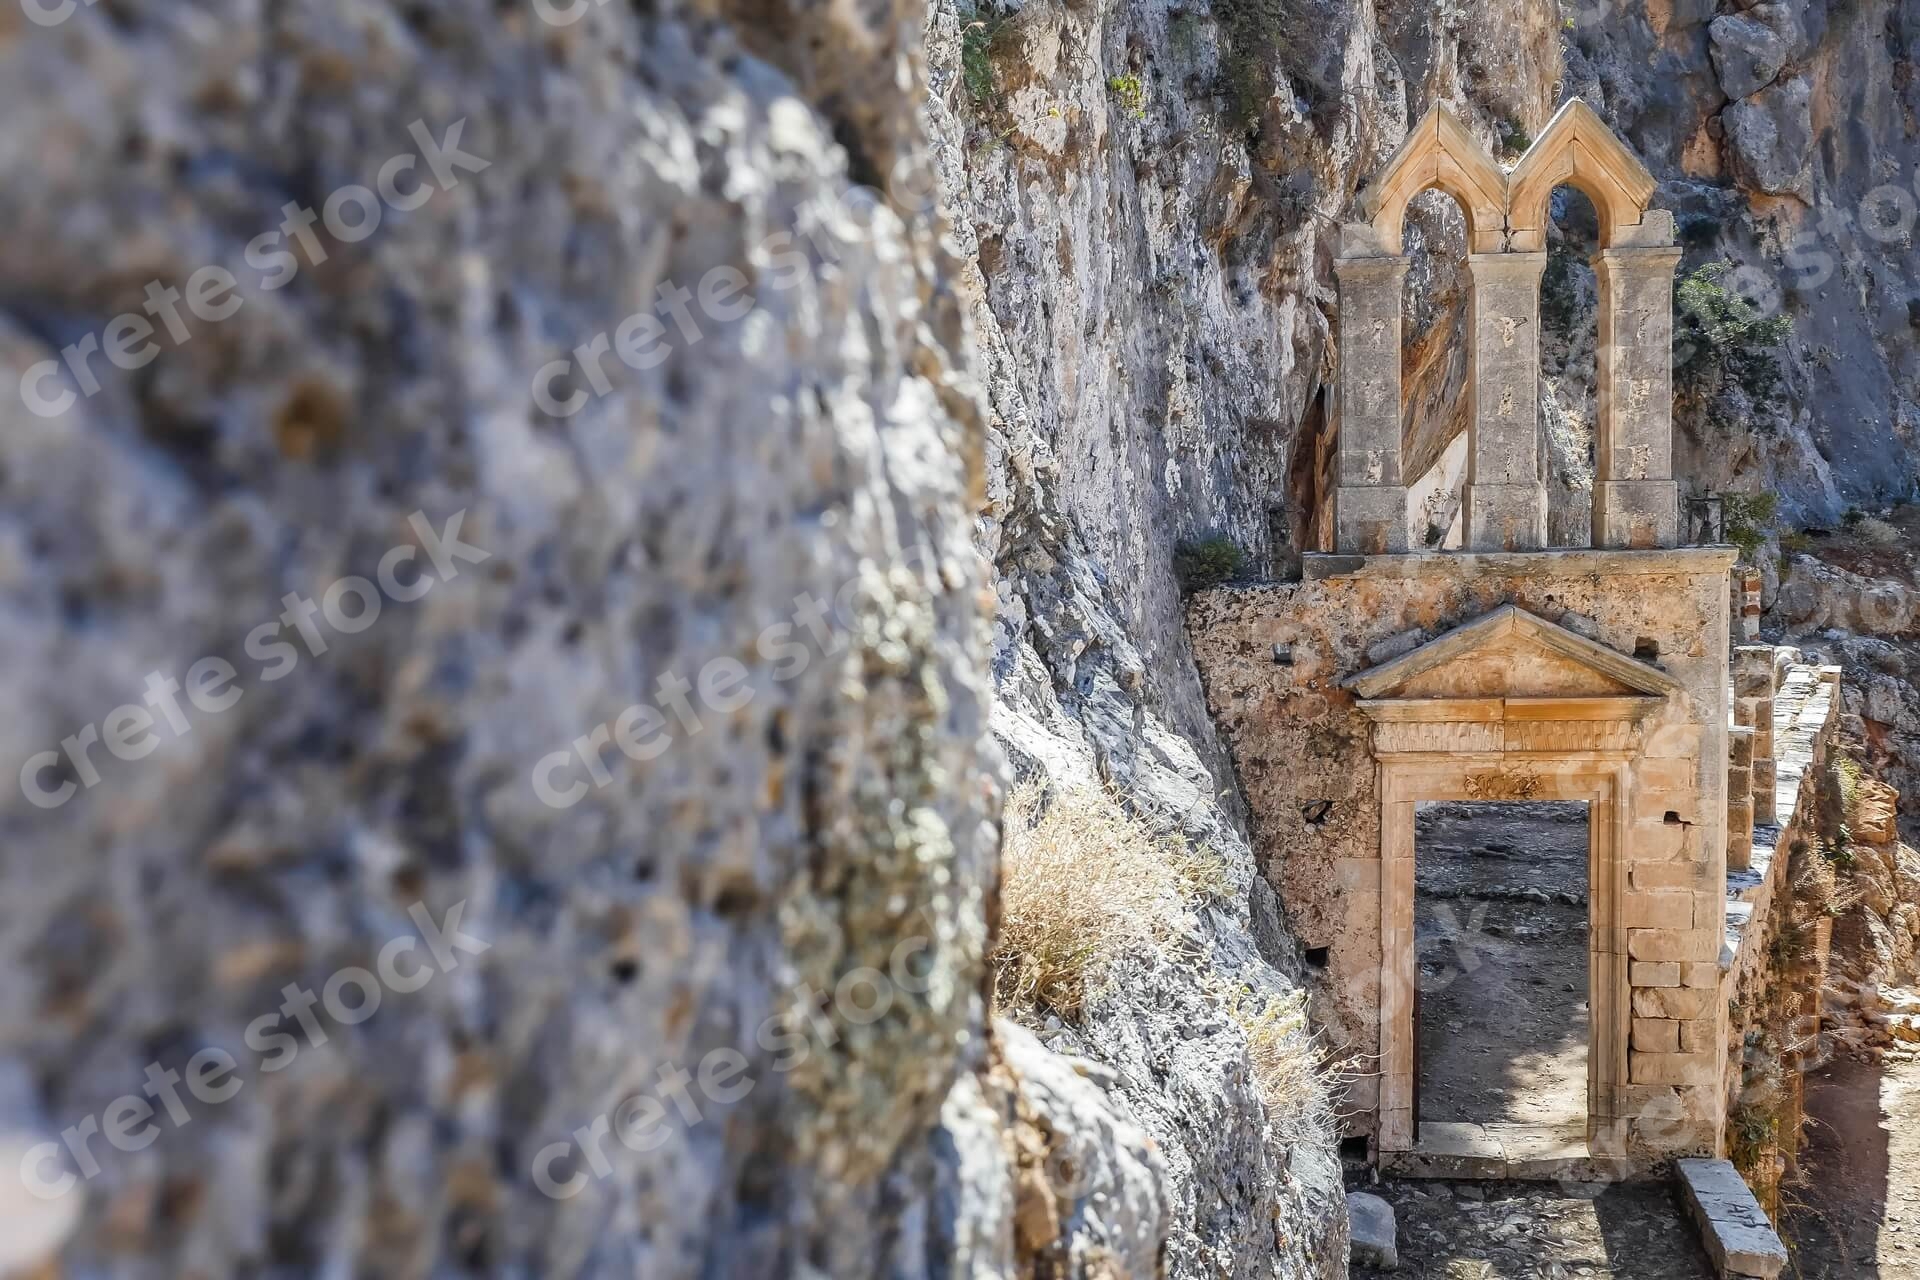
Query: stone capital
x=1361, y=240
x=1655, y=228
x=1379, y=269
x=1637, y=259
x=1504, y=268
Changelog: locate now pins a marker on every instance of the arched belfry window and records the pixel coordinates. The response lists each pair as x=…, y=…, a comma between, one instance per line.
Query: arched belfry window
x=1507, y=215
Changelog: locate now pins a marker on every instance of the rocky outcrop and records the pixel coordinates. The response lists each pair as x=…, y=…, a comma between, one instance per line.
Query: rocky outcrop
x=1780, y=135
x=1095, y=686
x=1854, y=599
x=1747, y=55
x=1770, y=136
x=809, y=788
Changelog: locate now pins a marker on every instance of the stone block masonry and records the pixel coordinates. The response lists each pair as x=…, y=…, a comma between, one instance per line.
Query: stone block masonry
x=1336, y=747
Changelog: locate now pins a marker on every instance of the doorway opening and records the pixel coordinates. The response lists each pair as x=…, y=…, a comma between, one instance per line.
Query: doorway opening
x=1502, y=1016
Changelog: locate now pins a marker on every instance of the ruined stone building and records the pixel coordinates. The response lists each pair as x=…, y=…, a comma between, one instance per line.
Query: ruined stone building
x=1392, y=677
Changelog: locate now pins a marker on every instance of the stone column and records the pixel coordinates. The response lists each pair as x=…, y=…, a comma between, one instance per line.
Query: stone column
x=1754, y=688
x=1740, y=798
x=1636, y=504
x=1506, y=497
x=1370, y=494
x=1750, y=593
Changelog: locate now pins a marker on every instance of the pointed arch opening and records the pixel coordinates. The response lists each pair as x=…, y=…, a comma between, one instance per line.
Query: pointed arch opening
x=1569, y=365
x=1436, y=366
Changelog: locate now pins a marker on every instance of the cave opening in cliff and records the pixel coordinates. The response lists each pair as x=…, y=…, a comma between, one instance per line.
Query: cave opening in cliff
x=1500, y=925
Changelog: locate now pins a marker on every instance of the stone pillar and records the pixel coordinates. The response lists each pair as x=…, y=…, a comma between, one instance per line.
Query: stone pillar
x=1750, y=592
x=1506, y=496
x=1370, y=494
x=1636, y=503
x=1739, y=798
x=1754, y=687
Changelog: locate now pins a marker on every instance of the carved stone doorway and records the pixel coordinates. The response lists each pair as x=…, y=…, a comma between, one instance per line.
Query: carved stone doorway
x=1509, y=708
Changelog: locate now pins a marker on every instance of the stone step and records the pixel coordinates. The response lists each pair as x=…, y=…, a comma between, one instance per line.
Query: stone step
x=1739, y=1238
x=1501, y=1153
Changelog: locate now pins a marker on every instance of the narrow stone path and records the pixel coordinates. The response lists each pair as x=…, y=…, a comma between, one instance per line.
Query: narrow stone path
x=1501, y=923
x=1539, y=1231
x=1857, y=1216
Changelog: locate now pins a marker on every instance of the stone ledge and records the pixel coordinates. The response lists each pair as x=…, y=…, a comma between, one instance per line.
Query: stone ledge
x=1739, y=1238
x=1503, y=1153
x=1557, y=563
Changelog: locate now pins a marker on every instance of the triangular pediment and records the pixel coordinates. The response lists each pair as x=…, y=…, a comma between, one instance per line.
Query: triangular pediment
x=1511, y=653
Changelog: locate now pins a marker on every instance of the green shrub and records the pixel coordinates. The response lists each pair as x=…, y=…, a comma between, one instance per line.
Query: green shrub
x=1749, y=518
x=1514, y=138
x=1208, y=562
x=976, y=56
x=1721, y=338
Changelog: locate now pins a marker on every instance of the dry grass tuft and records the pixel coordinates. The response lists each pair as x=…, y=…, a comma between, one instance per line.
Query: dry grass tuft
x=1877, y=532
x=1287, y=1068
x=1082, y=881
x=1085, y=882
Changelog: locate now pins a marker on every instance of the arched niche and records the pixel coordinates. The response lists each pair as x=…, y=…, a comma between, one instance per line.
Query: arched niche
x=1578, y=150
x=1440, y=153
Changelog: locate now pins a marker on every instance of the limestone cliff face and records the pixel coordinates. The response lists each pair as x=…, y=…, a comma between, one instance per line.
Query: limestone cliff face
x=1146, y=201
x=1784, y=139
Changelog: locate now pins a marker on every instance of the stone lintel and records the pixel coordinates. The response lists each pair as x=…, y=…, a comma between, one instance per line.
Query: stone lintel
x=1635, y=515
x=1739, y=1238
x=1553, y=563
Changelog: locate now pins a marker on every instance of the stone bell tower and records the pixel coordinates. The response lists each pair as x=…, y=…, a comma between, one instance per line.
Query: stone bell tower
x=1635, y=500
x=1393, y=676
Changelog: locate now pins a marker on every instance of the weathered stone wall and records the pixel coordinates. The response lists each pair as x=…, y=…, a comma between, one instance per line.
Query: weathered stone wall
x=1304, y=755
x=1778, y=927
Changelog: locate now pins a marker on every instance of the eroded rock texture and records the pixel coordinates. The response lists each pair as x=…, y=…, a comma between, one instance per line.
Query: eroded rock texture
x=825, y=444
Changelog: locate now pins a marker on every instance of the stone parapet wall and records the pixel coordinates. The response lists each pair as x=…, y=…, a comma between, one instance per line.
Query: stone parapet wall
x=1776, y=944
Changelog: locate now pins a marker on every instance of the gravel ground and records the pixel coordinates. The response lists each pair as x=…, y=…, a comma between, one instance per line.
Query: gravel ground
x=1501, y=921
x=1539, y=1231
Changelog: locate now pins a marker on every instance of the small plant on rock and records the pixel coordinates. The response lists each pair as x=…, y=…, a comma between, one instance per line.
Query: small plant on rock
x=1203, y=563
x=1285, y=1058
x=1084, y=882
x=1878, y=532
x=1132, y=93
x=1749, y=519
x=976, y=55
